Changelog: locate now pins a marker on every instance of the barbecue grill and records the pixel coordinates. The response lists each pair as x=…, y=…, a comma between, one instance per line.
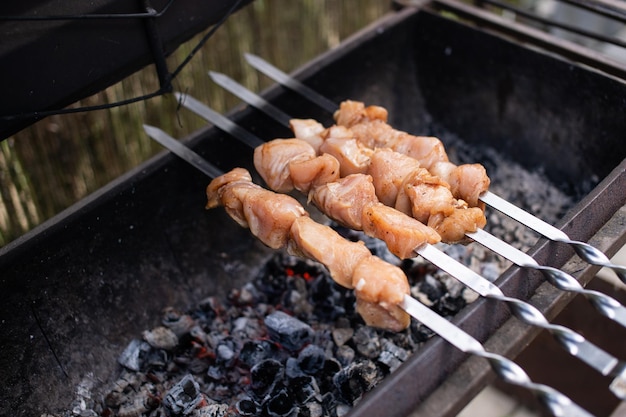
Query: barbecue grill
x=82, y=285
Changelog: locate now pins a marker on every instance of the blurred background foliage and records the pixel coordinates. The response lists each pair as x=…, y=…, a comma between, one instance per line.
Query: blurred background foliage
x=49, y=166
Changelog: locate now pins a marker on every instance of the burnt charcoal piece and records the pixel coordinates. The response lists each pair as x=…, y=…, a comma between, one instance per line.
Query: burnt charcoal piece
x=419, y=332
x=356, y=379
x=225, y=353
x=392, y=356
x=177, y=322
x=246, y=407
x=449, y=306
x=330, y=300
x=288, y=331
x=311, y=409
x=326, y=375
x=264, y=375
x=304, y=389
x=133, y=357
x=182, y=398
x=345, y=354
x=367, y=342
x=161, y=338
x=280, y=404
x=311, y=359
x=209, y=308
x=255, y=351
x=292, y=369
x=432, y=288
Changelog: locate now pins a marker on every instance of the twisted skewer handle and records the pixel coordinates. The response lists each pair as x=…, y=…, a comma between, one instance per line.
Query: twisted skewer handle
x=587, y=252
x=509, y=371
x=572, y=342
x=606, y=305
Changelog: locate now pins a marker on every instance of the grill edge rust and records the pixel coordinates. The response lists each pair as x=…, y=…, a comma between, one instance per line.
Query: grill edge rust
x=77, y=284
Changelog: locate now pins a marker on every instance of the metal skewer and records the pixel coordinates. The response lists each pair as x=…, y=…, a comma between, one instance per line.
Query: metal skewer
x=587, y=252
x=606, y=305
x=509, y=371
x=571, y=341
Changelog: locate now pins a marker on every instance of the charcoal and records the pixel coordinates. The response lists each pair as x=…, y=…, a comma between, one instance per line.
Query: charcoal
x=161, y=338
x=246, y=407
x=432, y=288
x=311, y=359
x=345, y=355
x=211, y=410
x=292, y=369
x=209, y=308
x=342, y=335
x=134, y=355
x=177, y=322
x=288, y=331
x=356, y=379
x=304, y=389
x=280, y=404
x=225, y=353
x=311, y=409
x=326, y=375
x=449, y=306
x=255, y=351
x=247, y=295
x=182, y=398
x=367, y=342
x=392, y=355
x=264, y=374
x=216, y=373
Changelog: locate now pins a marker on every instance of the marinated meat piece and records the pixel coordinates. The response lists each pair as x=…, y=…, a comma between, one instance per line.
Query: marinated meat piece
x=286, y=164
x=392, y=318
x=345, y=199
x=352, y=112
x=452, y=228
x=401, y=233
x=423, y=195
x=311, y=173
x=268, y=215
x=467, y=181
x=272, y=158
x=379, y=287
x=388, y=169
x=352, y=157
x=321, y=243
x=213, y=189
x=308, y=130
x=428, y=150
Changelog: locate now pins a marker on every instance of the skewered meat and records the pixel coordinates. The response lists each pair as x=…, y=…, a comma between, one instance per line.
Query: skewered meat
x=352, y=202
x=268, y=215
x=353, y=157
x=369, y=125
x=280, y=221
x=294, y=166
x=399, y=181
x=379, y=286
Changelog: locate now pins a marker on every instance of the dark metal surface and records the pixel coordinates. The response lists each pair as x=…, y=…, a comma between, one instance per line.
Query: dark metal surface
x=49, y=64
x=77, y=289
